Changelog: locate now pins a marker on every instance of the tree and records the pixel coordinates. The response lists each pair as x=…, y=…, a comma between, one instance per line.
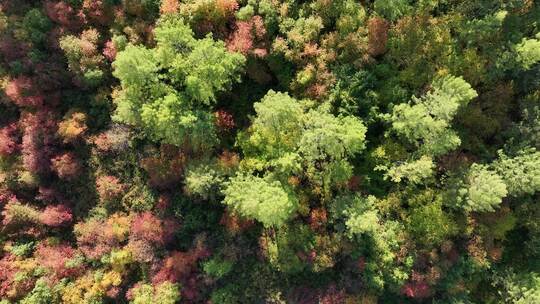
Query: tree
x=109, y=188
x=520, y=173
x=378, y=36
x=483, y=190
x=329, y=137
x=392, y=9
x=56, y=216
x=66, y=165
x=42, y=293
x=36, y=25
x=416, y=171
x=38, y=140
x=288, y=135
x=84, y=58
x=17, y=213
x=73, y=126
x=289, y=249
x=166, y=293
x=24, y=93
x=169, y=90
x=427, y=221
x=528, y=52
x=8, y=139
x=149, y=228
x=426, y=121
x=260, y=198
x=275, y=130
x=100, y=11
x=203, y=181
x=361, y=216
x=64, y=14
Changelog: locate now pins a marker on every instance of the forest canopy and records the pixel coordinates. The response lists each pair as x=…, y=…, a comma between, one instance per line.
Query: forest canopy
x=269, y=151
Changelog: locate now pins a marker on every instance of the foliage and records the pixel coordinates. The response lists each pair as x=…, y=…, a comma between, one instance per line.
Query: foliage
x=426, y=122
x=483, y=191
x=520, y=173
x=259, y=198
x=290, y=137
x=527, y=52
x=415, y=171
x=83, y=57
x=73, y=127
x=269, y=151
x=428, y=222
x=166, y=293
x=392, y=9
x=173, y=107
x=217, y=268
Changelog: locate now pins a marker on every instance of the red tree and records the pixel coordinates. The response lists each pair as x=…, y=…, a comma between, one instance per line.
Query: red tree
x=12, y=49
x=224, y=120
x=148, y=227
x=66, y=165
x=38, y=138
x=181, y=267
x=248, y=37
x=65, y=15
x=165, y=170
x=55, y=258
x=10, y=287
x=55, y=216
x=23, y=92
x=109, y=51
x=8, y=140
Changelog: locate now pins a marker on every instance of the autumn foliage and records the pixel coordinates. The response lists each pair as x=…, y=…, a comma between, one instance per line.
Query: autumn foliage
x=269, y=151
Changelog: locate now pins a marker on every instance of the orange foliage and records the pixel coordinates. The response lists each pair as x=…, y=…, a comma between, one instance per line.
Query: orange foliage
x=234, y=224
x=109, y=188
x=66, y=166
x=165, y=170
x=73, y=127
x=378, y=35
x=318, y=219
x=169, y=6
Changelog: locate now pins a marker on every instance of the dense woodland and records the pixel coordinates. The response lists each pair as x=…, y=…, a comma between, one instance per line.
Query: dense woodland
x=269, y=151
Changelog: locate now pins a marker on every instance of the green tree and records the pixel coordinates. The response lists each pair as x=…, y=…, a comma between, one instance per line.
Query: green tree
x=520, y=173
x=483, y=190
x=166, y=293
x=282, y=249
x=416, y=171
x=36, y=25
x=425, y=122
x=392, y=9
x=169, y=90
x=276, y=129
x=42, y=293
x=427, y=221
x=291, y=136
x=217, y=267
x=260, y=198
x=528, y=51
x=203, y=181
x=327, y=144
